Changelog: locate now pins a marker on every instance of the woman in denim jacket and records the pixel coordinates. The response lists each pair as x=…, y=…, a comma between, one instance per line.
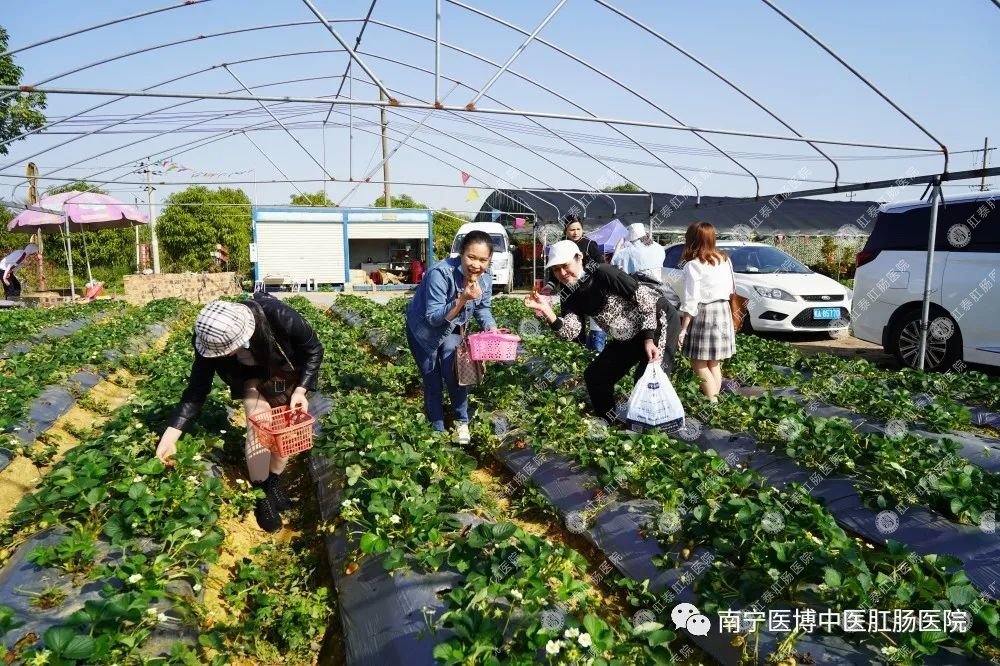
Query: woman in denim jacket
x=451, y=293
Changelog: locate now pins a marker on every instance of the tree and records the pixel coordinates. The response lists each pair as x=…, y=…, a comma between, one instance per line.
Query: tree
x=196, y=219
x=623, y=188
x=21, y=112
x=402, y=201
x=312, y=199
x=446, y=225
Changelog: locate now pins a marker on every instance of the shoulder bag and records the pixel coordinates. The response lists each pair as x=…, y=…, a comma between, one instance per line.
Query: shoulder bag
x=737, y=303
x=467, y=371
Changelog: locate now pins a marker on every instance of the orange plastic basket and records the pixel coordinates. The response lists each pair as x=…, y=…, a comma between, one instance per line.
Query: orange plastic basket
x=283, y=431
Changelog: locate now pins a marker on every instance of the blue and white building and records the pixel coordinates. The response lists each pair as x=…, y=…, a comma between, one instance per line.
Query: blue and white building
x=297, y=245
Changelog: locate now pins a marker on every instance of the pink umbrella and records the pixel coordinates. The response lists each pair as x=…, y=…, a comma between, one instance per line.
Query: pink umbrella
x=81, y=211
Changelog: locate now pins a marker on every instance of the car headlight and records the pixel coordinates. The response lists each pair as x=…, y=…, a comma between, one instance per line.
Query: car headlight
x=775, y=293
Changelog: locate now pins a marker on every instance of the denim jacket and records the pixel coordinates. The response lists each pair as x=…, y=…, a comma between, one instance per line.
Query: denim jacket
x=436, y=297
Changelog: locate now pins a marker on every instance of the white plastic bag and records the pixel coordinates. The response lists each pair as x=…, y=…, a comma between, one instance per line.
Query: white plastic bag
x=654, y=404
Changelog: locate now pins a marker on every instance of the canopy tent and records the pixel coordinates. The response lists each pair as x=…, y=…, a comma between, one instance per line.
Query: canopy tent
x=609, y=236
x=674, y=212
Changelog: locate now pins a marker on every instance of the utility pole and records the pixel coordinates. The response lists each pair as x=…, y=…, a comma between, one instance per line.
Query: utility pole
x=152, y=221
x=982, y=183
x=385, y=153
x=32, y=172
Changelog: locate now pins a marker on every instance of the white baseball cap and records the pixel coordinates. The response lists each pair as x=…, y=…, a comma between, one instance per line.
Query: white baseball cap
x=563, y=252
x=636, y=231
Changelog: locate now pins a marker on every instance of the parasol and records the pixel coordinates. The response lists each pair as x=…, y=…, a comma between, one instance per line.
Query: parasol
x=81, y=211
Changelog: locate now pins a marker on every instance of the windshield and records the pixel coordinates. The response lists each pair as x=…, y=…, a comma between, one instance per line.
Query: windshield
x=763, y=259
x=499, y=243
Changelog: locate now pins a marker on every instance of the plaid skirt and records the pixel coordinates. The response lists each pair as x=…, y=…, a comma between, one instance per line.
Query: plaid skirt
x=710, y=335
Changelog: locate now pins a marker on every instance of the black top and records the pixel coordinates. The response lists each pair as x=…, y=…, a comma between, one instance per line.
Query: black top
x=292, y=333
x=623, y=306
x=591, y=250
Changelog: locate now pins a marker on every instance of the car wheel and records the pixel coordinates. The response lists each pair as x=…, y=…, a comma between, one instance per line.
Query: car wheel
x=944, y=343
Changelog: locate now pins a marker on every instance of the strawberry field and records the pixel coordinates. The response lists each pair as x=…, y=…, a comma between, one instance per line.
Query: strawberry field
x=817, y=489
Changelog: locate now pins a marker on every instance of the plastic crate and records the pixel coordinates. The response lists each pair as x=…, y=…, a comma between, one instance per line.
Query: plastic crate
x=283, y=431
x=493, y=346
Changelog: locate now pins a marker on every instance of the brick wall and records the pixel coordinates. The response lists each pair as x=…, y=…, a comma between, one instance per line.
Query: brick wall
x=194, y=287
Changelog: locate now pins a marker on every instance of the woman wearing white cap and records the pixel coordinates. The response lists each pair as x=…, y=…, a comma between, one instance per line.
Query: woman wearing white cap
x=269, y=356
x=11, y=285
x=640, y=254
x=642, y=324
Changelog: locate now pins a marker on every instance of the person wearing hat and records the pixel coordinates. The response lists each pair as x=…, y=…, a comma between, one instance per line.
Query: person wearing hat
x=269, y=356
x=11, y=285
x=642, y=325
x=453, y=291
x=639, y=254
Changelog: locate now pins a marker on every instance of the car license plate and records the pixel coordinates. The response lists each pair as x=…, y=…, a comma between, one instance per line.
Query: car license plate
x=826, y=313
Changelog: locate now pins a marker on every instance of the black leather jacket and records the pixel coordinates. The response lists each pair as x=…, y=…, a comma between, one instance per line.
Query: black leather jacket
x=291, y=331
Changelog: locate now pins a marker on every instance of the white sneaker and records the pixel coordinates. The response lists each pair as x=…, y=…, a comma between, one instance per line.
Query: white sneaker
x=462, y=433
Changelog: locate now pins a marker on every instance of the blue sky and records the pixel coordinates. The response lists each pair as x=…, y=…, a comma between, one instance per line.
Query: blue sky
x=937, y=61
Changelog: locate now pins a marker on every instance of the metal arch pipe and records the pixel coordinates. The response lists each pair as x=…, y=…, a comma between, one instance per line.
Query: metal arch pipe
x=556, y=94
x=721, y=77
x=96, y=26
x=437, y=51
x=155, y=47
x=268, y=158
x=277, y=120
x=357, y=44
x=354, y=56
x=454, y=138
x=614, y=204
x=615, y=81
x=500, y=112
x=855, y=72
x=514, y=56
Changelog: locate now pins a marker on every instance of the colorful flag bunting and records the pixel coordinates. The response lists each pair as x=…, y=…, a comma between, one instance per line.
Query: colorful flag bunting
x=473, y=194
x=465, y=177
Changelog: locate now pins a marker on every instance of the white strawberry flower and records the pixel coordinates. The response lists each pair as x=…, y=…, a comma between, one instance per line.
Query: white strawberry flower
x=553, y=647
x=571, y=633
x=584, y=640
x=134, y=578
x=196, y=533
x=395, y=519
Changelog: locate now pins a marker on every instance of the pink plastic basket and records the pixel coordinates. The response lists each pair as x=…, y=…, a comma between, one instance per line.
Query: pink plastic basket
x=493, y=346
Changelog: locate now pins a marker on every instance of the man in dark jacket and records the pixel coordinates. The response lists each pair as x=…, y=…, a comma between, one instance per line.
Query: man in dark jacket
x=269, y=356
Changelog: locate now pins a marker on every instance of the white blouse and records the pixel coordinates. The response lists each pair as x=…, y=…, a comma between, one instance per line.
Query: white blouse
x=706, y=283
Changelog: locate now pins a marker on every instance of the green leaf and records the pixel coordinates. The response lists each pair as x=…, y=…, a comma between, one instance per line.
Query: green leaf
x=956, y=505
x=502, y=531
x=647, y=627
x=701, y=512
x=373, y=543
x=832, y=577
x=394, y=560
x=66, y=643
x=137, y=490
x=661, y=637
x=962, y=595
x=152, y=466
x=989, y=614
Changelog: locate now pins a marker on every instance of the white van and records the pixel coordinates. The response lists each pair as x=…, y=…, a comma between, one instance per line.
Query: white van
x=502, y=265
x=965, y=299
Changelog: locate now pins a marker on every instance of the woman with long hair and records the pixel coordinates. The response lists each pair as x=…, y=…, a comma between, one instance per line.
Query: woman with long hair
x=707, y=336
x=268, y=356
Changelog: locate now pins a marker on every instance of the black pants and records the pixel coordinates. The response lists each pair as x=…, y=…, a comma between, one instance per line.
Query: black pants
x=12, y=291
x=620, y=356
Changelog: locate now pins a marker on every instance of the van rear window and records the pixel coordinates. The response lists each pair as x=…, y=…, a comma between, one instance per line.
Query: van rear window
x=960, y=228
x=499, y=243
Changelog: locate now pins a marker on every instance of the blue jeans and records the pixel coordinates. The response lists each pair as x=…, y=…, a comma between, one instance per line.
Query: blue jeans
x=437, y=368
